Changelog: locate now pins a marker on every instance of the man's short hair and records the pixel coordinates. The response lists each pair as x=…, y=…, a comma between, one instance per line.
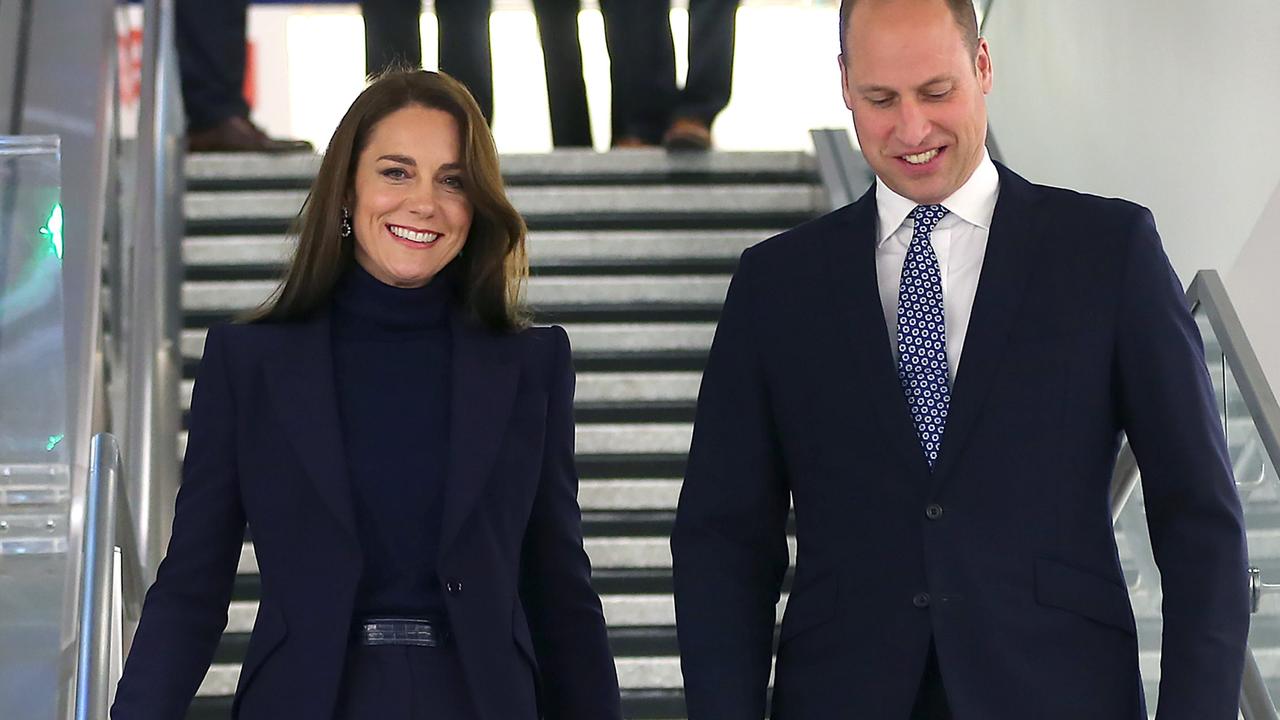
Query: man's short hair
x=962, y=10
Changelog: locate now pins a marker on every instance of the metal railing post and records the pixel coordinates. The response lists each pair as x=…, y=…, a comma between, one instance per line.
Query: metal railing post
x=153, y=352
x=93, y=681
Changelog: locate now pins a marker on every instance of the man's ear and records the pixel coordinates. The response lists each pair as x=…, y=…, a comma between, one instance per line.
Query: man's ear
x=844, y=82
x=982, y=64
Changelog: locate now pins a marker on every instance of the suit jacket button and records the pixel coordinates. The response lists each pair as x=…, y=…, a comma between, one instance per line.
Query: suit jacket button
x=933, y=512
x=921, y=600
x=453, y=587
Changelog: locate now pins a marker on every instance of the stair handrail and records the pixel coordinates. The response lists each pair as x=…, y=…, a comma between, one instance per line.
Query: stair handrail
x=843, y=170
x=153, y=286
x=93, y=652
x=1208, y=294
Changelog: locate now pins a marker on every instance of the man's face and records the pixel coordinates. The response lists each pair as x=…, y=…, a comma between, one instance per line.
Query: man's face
x=917, y=95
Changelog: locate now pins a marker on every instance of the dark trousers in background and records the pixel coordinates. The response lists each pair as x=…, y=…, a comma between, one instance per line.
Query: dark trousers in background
x=404, y=683
x=562, y=58
x=643, y=66
x=210, y=39
x=392, y=37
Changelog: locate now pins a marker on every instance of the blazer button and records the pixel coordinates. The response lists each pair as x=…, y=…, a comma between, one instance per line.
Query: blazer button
x=933, y=512
x=921, y=600
x=453, y=587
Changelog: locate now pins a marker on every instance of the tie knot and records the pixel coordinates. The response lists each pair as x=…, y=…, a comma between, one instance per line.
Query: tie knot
x=927, y=217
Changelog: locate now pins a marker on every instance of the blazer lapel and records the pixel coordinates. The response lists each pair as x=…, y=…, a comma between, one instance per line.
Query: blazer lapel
x=1011, y=247
x=485, y=376
x=300, y=381
x=856, y=295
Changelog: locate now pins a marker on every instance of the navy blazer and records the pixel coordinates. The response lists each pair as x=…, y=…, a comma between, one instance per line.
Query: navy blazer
x=1003, y=555
x=265, y=447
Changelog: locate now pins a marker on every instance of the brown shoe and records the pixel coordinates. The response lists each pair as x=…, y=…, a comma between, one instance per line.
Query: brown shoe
x=687, y=134
x=238, y=134
x=631, y=142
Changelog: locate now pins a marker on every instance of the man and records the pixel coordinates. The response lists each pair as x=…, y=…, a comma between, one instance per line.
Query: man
x=393, y=39
x=648, y=108
x=210, y=39
x=936, y=377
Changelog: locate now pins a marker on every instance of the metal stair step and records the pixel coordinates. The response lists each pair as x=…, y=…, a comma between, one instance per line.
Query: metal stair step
x=589, y=340
x=579, y=251
x=560, y=207
x=663, y=672
x=205, y=171
x=636, y=705
x=237, y=296
x=606, y=439
x=632, y=396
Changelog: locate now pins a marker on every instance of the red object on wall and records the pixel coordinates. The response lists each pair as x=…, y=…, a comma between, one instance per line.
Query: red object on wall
x=129, y=51
x=250, y=72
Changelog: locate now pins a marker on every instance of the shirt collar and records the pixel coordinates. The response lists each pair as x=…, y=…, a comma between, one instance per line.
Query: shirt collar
x=974, y=201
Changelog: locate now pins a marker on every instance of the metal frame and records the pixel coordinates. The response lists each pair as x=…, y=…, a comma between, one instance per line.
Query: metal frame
x=152, y=351
x=843, y=170
x=1208, y=294
x=93, y=655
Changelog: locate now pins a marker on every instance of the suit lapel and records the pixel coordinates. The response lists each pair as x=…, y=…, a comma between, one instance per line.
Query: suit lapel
x=1008, y=264
x=300, y=380
x=855, y=293
x=485, y=376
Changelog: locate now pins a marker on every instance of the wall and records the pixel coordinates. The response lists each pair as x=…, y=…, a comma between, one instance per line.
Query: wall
x=1170, y=103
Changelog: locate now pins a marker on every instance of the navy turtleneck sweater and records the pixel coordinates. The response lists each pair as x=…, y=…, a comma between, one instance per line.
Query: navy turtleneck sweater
x=391, y=358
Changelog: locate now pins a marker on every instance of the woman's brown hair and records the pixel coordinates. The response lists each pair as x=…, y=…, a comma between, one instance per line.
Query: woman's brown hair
x=491, y=270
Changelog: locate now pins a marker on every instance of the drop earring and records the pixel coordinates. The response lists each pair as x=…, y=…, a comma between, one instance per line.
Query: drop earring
x=345, y=228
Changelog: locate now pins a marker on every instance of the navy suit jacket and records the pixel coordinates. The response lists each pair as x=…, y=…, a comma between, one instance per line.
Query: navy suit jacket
x=1004, y=554
x=265, y=447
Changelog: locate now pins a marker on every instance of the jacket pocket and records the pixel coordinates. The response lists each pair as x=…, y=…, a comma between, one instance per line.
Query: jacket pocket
x=269, y=631
x=810, y=604
x=1084, y=593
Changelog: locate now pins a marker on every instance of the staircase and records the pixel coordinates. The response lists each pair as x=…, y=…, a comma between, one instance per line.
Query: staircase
x=632, y=252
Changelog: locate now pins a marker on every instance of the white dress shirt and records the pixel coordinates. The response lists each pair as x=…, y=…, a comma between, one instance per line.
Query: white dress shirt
x=960, y=242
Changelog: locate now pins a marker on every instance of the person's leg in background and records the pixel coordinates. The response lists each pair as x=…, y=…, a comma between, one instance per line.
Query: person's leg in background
x=464, y=47
x=210, y=39
x=562, y=58
x=392, y=34
x=642, y=69
x=710, y=80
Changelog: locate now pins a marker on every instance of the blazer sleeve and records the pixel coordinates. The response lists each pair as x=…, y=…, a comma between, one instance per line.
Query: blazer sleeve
x=1167, y=408
x=186, y=608
x=566, y=621
x=729, y=544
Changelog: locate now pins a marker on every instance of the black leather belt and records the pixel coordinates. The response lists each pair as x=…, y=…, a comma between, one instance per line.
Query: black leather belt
x=401, y=631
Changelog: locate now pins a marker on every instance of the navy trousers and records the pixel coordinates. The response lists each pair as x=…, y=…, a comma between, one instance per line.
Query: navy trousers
x=394, y=682
x=392, y=38
x=210, y=39
x=643, y=65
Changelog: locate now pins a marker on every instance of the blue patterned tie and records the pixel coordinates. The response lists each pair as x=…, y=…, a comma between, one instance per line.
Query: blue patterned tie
x=922, y=334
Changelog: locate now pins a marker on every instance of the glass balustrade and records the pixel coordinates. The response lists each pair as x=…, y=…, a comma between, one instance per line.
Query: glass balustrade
x=38, y=571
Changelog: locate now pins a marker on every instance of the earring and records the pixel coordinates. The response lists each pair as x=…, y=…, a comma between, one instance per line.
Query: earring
x=345, y=228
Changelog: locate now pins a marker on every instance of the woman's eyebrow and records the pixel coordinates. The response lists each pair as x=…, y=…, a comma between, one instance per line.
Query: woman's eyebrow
x=402, y=159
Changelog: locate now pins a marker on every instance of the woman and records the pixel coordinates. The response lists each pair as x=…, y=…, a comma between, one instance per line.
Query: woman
x=401, y=446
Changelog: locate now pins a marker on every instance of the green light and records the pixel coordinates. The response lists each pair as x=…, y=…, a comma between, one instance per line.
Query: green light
x=55, y=228
x=52, y=230
x=53, y=442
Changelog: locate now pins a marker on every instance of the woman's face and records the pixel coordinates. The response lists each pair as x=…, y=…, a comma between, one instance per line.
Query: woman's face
x=411, y=213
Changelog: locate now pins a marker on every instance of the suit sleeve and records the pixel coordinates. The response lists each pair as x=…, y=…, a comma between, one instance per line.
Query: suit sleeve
x=1167, y=408
x=566, y=621
x=186, y=608
x=729, y=543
